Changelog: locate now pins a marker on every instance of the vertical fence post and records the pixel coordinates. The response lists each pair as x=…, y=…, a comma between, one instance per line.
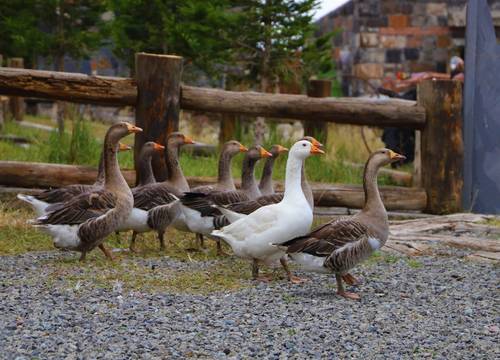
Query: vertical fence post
x=158, y=103
x=16, y=103
x=442, y=150
x=318, y=129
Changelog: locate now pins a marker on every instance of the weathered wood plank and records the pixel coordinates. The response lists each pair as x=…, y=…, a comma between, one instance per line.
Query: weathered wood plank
x=23, y=174
x=114, y=91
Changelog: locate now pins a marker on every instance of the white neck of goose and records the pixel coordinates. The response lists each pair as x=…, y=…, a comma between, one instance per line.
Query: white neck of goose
x=293, y=188
x=373, y=201
x=225, y=176
x=175, y=176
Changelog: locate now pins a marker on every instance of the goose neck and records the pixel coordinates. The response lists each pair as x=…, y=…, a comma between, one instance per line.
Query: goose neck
x=145, y=169
x=225, y=176
x=373, y=201
x=100, y=170
x=114, y=180
x=175, y=175
x=266, y=181
x=248, y=183
x=293, y=178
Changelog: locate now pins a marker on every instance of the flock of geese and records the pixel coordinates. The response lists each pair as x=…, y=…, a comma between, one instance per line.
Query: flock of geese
x=258, y=224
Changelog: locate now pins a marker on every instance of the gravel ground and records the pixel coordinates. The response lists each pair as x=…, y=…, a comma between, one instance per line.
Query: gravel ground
x=435, y=307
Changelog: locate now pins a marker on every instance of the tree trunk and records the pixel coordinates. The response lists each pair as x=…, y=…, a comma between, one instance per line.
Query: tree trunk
x=60, y=105
x=158, y=103
x=16, y=103
x=318, y=89
x=442, y=145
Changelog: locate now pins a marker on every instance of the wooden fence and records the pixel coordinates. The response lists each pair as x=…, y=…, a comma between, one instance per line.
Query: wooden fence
x=158, y=95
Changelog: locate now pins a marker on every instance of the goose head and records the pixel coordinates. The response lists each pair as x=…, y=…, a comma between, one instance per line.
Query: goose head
x=257, y=152
x=120, y=130
x=276, y=150
x=313, y=141
x=302, y=149
x=178, y=139
x=233, y=147
x=384, y=157
x=150, y=147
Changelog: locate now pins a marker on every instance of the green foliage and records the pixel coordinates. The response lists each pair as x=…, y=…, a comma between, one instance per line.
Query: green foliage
x=274, y=42
x=194, y=29
x=51, y=28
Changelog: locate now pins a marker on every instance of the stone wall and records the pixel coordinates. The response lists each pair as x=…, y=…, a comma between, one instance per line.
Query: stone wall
x=378, y=38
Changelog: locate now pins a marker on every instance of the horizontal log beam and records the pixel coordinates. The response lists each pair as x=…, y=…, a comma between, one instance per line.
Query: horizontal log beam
x=72, y=87
x=28, y=175
x=115, y=91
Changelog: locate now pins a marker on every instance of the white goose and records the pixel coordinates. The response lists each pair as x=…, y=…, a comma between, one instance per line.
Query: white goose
x=251, y=237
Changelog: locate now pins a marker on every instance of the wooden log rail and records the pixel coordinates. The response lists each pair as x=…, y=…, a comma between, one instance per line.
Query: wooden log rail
x=36, y=175
x=113, y=91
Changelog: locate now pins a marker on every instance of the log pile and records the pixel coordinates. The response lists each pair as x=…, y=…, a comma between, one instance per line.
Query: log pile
x=465, y=231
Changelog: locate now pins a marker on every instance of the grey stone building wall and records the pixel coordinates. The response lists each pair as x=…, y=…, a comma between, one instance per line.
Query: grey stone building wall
x=377, y=39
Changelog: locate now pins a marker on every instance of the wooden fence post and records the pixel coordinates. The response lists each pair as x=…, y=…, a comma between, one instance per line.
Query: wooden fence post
x=442, y=150
x=318, y=129
x=16, y=103
x=158, y=103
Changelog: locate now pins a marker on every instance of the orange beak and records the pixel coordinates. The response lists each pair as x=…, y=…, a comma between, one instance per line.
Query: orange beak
x=316, y=142
x=188, y=140
x=133, y=129
x=158, y=147
x=124, y=147
x=282, y=149
x=264, y=153
x=395, y=156
x=243, y=148
x=316, y=150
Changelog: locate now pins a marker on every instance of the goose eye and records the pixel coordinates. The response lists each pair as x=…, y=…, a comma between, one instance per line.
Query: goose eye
x=303, y=144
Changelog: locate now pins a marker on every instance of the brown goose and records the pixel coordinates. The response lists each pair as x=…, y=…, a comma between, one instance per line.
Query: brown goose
x=233, y=211
x=42, y=200
x=337, y=246
x=146, y=175
x=197, y=211
x=225, y=181
x=83, y=223
x=266, y=186
x=150, y=196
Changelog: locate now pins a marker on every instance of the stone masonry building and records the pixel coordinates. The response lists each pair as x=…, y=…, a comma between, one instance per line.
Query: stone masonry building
x=376, y=39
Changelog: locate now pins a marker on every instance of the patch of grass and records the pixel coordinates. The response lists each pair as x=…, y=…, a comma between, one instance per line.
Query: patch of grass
x=82, y=143
x=493, y=222
x=379, y=256
x=413, y=263
x=16, y=236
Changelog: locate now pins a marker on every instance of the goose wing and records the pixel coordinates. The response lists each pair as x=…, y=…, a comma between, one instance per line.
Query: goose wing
x=79, y=209
x=63, y=194
x=152, y=195
x=327, y=238
x=248, y=207
x=204, y=202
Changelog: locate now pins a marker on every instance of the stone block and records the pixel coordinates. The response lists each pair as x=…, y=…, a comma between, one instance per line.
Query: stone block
x=398, y=21
x=441, y=55
x=437, y=9
x=369, y=71
x=375, y=22
x=390, y=41
x=369, y=39
x=372, y=55
x=414, y=41
x=456, y=15
x=411, y=53
x=393, y=56
x=443, y=41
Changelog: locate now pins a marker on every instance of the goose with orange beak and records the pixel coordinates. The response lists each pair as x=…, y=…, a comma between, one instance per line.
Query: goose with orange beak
x=339, y=245
x=251, y=237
